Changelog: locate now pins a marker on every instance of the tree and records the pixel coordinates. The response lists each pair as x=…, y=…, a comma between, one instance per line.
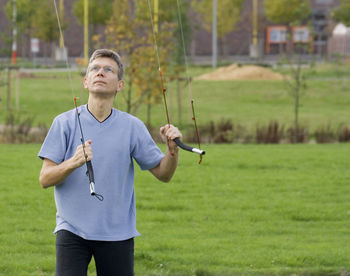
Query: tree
x=36, y=19
x=296, y=86
x=25, y=15
x=287, y=12
x=228, y=14
x=174, y=11
x=45, y=24
x=99, y=13
x=342, y=13
x=129, y=32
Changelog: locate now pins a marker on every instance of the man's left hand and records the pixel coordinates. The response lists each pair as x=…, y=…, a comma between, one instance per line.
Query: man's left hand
x=169, y=133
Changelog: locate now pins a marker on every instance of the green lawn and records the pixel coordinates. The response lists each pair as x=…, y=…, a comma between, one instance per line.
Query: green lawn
x=249, y=103
x=246, y=210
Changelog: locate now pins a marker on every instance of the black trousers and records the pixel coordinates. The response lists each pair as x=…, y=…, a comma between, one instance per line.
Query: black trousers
x=73, y=255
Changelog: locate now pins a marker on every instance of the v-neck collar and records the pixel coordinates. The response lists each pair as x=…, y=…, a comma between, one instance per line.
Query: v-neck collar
x=101, y=122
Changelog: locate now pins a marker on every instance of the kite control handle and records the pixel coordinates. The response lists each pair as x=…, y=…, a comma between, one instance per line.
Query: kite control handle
x=90, y=174
x=188, y=148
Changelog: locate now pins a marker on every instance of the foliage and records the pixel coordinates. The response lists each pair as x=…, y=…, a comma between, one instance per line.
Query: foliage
x=130, y=33
x=271, y=134
x=20, y=130
x=7, y=40
x=179, y=17
x=228, y=14
x=296, y=85
x=325, y=134
x=297, y=135
x=25, y=13
x=344, y=134
x=342, y=12
x=223, y=131
x=99, y=11
x=36, y=18
x=287, y=12
x=206, y=134
x=45, y=23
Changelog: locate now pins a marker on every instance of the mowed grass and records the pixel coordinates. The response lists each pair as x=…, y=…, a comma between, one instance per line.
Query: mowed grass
x=246, y=210
x=249, y=103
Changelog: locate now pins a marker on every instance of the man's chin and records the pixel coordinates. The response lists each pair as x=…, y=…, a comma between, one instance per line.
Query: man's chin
x=102, y=93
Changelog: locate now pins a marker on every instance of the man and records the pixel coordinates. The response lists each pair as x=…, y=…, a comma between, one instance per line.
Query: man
x=85, y=226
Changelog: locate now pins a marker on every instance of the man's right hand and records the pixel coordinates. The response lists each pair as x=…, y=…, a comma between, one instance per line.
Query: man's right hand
x=53, y=174
x=82, y=154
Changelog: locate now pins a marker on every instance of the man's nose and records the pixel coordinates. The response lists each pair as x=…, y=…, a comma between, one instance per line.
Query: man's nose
x=100, y=71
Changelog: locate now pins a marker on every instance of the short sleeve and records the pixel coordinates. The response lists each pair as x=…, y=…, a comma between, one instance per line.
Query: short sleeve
x=55, y=143
x=145, y=151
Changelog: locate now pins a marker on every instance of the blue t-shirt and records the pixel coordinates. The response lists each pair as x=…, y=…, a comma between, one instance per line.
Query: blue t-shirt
x=115, y=143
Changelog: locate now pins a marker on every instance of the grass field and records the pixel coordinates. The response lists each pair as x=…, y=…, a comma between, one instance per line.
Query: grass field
x=249, y=103
x=247, y=210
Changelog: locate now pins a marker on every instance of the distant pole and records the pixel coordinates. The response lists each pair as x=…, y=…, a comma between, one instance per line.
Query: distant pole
x=86, y=32
x=61, y=15
x=214, y=34
x=156, y=13
x=255, y=22
x=254, y=50
x=14, y=31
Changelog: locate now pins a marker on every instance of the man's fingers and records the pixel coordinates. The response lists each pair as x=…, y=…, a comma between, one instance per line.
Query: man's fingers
x=88, y=142
x=85, y=152
x=170, y=132
x=88, y=152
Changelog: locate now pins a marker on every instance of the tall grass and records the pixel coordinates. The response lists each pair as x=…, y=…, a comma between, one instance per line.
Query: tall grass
x=246, y=210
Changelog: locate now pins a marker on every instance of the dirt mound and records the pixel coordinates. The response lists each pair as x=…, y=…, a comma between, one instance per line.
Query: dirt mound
x=246, y=72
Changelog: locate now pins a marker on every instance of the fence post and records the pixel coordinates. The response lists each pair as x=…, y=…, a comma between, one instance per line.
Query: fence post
x=1, y=84
x=17, y=88
x=8, y=88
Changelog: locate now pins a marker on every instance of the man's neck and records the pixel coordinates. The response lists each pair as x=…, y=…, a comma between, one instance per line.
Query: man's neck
x=100, y=108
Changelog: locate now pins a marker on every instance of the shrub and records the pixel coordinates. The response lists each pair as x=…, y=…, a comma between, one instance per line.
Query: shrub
x=344, y=134
x=18, y=130
x=270, y=134
x=224, y=132
x=301, y=137
x=325, y=134
x=206, y=133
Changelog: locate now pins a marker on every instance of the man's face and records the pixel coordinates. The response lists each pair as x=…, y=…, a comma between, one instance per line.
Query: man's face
x=102, y=76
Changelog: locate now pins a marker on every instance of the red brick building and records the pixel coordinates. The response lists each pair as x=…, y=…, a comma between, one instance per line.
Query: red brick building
x=238, y=42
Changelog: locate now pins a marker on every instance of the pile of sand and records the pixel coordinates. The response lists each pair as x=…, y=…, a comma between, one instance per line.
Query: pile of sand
x=246, y=72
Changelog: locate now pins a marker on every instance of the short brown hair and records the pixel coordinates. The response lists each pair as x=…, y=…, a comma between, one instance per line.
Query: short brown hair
x=109, y=54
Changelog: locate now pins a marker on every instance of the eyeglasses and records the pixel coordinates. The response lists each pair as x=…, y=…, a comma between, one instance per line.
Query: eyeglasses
x=106, y=69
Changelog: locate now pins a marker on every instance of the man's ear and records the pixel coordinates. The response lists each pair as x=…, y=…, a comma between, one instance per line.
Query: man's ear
x=120, y=85
x=85, y=83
